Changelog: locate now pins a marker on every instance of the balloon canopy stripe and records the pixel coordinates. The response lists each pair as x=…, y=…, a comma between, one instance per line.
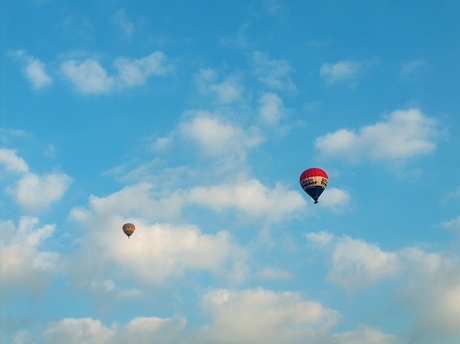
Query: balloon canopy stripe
x=313, y=172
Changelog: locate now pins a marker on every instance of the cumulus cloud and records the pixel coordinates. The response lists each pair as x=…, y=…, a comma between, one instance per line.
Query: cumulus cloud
x=90, y=77
x=265, y=316
x=366, y=335
x=175, y=250
x=250, y=197
x=32, y=192
x=33, y=69
x=76, y=331
x=24, y=267
x=218, y=137
x=433, y=292
x=343, y=71
x=140, y=330
x=274, y=74
x=428, y=283
x=402, y=135
x=35, y=193
x=355, y=264
x=237, y=316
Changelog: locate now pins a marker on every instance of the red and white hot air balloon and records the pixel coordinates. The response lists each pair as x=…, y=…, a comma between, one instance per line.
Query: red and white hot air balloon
x=314, y=181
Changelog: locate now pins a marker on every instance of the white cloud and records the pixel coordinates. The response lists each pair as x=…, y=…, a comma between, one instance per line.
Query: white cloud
x=264, y=316
x=238, y=39
x=33, y=69
x=412, y=68
x=11, y=162
x=32, y=192
x=343, y=71
x=433, y=292
x=163, y=330
x=125, y=25
x=355, y=264
x=78, y=331
x=140, y=330
x=335, y=199
x=23, y=266
x=320, y=239
x=135, y=72
x=227, y=91
x=217, y=137
x=36, y=73
x=428, y=284
x=89, y=77
x=271, y=109
x=35, y=193
x=274, y=74
x=174, y=250
x=250, y=197
x=110, y=290
x=365, y=335
x=403, y=134
x=453, y=226
x=273, y=273
x=237, y=316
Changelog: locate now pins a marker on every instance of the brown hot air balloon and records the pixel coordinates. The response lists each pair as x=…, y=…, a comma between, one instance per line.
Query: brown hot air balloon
x=129, y=229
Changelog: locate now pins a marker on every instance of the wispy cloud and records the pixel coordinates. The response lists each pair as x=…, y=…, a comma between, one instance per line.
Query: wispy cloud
x=271, y=109
x=274, y=74
x=33, y=69
x=120, y=18
x=224, y=90
x=412, y=68
x=344, y=72
x=90, y=77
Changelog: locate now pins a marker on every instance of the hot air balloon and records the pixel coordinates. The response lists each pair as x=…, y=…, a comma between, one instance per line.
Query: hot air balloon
x=129, y=229
x=314, y=181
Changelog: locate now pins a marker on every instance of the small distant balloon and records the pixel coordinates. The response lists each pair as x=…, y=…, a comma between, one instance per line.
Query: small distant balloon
x=314, y=181
x=129, y=229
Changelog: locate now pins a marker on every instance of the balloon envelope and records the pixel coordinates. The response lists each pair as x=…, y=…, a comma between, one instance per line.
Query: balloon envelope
x=314, y=181
x=129, y=229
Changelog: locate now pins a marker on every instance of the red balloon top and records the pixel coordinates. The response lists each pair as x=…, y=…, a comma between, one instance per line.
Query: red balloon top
x=313, y=172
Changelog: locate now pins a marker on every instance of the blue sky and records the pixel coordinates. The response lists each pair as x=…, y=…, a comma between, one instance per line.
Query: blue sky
x=194, y=121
